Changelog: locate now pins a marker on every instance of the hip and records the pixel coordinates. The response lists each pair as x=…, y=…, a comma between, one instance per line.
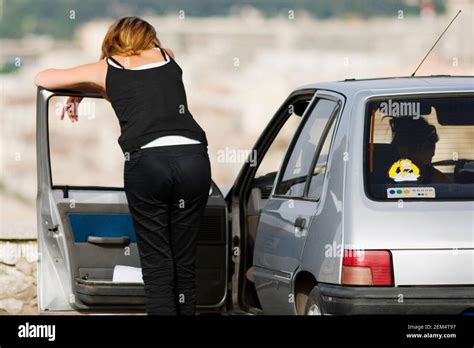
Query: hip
x=182, y=159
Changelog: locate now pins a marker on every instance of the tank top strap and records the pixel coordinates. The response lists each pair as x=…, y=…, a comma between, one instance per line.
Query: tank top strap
x=115, y=61
x=165, y=56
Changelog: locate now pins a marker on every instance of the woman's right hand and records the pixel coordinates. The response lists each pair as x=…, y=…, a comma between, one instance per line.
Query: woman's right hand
x=71, y=108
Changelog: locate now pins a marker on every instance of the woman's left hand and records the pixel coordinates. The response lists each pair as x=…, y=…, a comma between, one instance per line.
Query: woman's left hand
x=71, y=108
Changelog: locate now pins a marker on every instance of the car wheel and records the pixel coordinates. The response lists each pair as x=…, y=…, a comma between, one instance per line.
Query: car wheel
x=313, y=306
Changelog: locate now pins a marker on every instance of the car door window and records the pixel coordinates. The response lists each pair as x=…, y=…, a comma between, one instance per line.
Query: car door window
x=271, y=161
x=85, y=153
x=295, y=173
x=317, y=178
x=423, y=152
x=274, y=156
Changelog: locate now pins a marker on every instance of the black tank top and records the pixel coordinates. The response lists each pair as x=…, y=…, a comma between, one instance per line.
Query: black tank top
x=150, y=103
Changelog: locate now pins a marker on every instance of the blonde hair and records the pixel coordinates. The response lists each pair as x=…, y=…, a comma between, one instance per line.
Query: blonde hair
x=129, y=36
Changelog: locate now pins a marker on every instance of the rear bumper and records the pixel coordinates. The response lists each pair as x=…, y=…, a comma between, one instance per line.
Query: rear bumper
x=336, y=299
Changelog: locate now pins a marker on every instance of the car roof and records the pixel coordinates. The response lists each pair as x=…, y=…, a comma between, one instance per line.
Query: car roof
x=349, y=87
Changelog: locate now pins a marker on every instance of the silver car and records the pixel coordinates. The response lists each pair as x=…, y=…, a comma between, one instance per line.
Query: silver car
x=358, y=198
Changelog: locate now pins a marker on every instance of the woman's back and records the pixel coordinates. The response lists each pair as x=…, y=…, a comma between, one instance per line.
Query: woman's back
x=149, y=102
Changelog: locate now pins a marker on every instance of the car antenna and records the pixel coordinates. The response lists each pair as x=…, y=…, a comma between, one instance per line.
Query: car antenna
x=439, y=38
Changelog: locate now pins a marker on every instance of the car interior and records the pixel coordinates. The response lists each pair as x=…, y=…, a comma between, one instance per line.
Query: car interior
x=453, y=119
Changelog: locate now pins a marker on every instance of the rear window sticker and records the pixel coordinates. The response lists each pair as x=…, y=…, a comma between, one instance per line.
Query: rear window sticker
x=411, y=192
x=404, y=170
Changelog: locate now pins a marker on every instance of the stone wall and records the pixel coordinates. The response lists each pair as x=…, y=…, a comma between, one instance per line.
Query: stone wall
x=18, y=264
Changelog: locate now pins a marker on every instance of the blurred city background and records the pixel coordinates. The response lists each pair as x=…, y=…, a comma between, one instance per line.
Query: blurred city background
x=240, y=59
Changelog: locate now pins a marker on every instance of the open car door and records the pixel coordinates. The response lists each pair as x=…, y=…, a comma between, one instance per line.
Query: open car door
x=84, y=226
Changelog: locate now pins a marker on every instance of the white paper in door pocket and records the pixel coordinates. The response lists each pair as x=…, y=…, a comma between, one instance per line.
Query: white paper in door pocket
x=127, y=274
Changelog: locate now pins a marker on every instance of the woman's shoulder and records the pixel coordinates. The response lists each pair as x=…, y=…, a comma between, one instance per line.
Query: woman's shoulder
x=169, y=51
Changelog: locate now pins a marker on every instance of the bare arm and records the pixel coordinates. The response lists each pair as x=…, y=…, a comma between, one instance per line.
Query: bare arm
x=87, y=77
x=83, y=78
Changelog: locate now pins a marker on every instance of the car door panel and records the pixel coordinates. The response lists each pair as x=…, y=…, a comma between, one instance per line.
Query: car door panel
x=84, y=232
x=252, y=189
x=289, y=212
x=278, y=249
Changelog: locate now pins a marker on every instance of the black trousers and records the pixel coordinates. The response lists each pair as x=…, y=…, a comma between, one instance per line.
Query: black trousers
x=167, y=188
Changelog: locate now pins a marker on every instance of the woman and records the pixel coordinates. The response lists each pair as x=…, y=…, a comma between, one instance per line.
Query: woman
x=167, y=173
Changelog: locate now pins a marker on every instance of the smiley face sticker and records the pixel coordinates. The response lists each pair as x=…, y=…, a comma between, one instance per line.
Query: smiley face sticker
x=404, y=170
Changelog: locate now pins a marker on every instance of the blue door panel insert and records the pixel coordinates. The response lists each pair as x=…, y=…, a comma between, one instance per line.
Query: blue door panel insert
x=101, y=225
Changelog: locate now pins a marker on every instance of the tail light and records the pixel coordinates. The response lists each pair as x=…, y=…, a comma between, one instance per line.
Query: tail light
x=367, y=267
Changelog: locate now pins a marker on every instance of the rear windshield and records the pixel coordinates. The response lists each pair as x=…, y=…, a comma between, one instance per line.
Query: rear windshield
x=420, y=148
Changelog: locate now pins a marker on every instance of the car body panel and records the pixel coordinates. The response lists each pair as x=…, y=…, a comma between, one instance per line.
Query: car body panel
x=322, y=254
x=278, y=250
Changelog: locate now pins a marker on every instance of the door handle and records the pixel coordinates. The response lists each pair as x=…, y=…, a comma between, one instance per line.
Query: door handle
x=300, y=222
x=109, y=240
